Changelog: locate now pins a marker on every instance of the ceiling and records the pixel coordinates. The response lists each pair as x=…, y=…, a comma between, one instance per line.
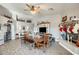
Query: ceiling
x=58, y=7
x=4, y=11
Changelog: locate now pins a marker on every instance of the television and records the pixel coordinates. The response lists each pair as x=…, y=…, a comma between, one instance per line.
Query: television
x=42, y=30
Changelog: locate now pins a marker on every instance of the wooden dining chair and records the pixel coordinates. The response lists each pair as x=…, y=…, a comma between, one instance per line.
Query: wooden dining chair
x=27, y=38
x=38, y=42
x=46, y=40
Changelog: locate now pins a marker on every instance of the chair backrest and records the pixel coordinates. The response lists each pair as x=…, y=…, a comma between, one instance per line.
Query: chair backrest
x=26, y=35
x=46, y=38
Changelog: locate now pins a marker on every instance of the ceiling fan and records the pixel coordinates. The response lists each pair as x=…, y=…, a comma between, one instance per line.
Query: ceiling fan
x=32, y=8
x=37, y=7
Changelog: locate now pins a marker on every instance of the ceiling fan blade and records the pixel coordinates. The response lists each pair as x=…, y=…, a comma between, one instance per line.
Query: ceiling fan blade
x=26, y=10
x=38, y=7
x=51, y=9
x=29, y=6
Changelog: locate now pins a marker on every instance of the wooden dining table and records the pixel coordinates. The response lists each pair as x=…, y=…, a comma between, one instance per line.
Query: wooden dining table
x=38, y=41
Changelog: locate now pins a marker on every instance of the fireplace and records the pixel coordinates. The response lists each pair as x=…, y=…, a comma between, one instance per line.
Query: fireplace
x=42, y=30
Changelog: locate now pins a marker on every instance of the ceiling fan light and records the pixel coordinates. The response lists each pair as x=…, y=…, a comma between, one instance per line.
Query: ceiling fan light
x=33, y=12
x=35, y=8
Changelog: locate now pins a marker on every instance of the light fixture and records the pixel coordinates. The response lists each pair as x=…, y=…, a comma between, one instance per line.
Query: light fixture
x=33, y=12
x=32, y=8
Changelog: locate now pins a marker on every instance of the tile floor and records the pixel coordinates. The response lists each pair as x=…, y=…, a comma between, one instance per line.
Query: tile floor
x=17, y=47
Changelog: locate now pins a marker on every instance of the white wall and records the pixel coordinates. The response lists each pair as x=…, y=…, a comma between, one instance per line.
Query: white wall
x=4, y=11
x=3, y=20
x=56, y=19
